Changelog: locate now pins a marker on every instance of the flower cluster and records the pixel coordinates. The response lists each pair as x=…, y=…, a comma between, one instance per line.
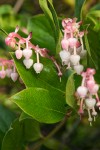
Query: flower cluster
x=14, y=39
x=88, y=94
x=72, y=45
x=8, y=69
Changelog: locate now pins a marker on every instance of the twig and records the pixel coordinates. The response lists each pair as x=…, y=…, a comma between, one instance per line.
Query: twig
x=18, y=5
x=53, y=132
x=2, y=30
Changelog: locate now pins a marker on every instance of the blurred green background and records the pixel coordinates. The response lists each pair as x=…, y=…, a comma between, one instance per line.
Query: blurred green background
x=76, y=134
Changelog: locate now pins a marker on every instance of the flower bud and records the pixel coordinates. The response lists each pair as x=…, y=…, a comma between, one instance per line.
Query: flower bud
x=18, y=54
x=79, y=49
x=2, y=74
x=14, y=76
x=8, y=72
x=72, y=42
x=64, y=44
x=38, y=67
x=65, y=56
x=78, y=68
x=94, y=113
x=90, y=83
x=90, y=102
x=27, y=53
x=28, y=63
x=74, y=59
x=82, y=91
x=93, y=90
x=83, y=53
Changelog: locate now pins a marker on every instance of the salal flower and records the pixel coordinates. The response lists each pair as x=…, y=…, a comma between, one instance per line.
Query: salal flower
x=88, y=94
x=65, y=57
x=27, y=52
x=28, y=63
x=8, y=69
x=38, y=67
x=2, y=73
x=8, y=72
x=14, y=76
x=74, y=59
x=72, y=44
x=79, y=68
x=19, y=52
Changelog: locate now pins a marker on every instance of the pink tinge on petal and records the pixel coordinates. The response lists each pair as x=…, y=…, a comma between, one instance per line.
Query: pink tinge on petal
x=90, y=84
x=18, y=54
x=78, y=44
x=94, y=89
x=2, y=74
x=90, y=71
x=81, y=34
x=7, y=40
x=64, y=44
x=80, y=111
x=12, y=34
x=72, y=42
x=10, y=42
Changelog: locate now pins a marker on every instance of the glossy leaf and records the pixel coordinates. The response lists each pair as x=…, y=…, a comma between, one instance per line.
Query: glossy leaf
x=78, y=8
x=47, y=106
x=70, y=91
x=46, y=79
x=6, y=118
x=5, y=9
x=51, y=15
x=89, y=52
x=42, y=32
x=57, y=27
x=24, y=116
x=19, y=133
x=48, y=13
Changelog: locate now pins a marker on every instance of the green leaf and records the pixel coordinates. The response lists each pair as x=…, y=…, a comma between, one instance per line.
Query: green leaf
x=24, y=116
x=93, y=40
x=42, y=32
x=89, y=52
x=70, y=91
x=5, y=9
x=19, y=133
x=95, y=13
x=48, y=8
x=47, y=106
x=47, y=79
x=6, y=118
x=57, y=27
x=47, y=11
x=96, y=7
x=31, y=130
x=78, y=8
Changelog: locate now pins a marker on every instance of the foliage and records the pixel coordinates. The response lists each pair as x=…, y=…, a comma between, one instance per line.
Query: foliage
x=42, y=99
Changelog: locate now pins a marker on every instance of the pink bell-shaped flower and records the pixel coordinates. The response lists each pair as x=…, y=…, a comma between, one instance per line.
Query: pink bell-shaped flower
x=14, y=76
